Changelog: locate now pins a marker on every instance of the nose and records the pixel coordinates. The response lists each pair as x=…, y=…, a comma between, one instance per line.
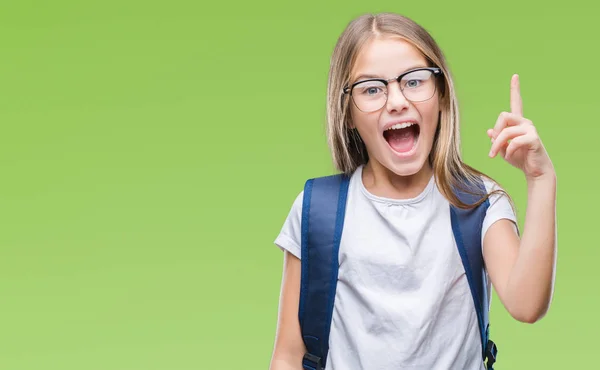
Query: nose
x=396, y=101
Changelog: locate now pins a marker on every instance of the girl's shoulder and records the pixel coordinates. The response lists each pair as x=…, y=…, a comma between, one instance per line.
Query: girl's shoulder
x=290, y=234
x=495, y=191
x=289, y=237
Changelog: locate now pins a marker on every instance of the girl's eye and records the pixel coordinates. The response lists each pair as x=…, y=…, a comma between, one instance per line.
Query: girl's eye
x=413, y=83
x=371, y=89
x=416, y=79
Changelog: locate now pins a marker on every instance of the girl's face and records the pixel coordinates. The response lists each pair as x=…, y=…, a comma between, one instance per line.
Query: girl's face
x=399, y=134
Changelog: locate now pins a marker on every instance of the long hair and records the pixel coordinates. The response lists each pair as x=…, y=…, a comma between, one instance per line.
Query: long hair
x=348, y=150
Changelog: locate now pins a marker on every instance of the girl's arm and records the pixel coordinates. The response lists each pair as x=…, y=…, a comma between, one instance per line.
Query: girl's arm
x=289, y=348
x=523, y=271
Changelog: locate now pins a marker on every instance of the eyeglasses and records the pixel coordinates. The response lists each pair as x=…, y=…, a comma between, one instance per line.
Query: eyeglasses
x=417, y=85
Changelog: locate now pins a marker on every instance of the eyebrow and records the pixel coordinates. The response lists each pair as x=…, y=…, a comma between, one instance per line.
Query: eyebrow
x=368, y=76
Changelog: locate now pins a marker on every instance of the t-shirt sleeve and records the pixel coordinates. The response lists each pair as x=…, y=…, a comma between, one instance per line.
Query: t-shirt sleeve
x=500, y=208
x=289, y=236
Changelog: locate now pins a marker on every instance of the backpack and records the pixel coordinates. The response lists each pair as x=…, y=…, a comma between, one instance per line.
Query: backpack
x=323, y=210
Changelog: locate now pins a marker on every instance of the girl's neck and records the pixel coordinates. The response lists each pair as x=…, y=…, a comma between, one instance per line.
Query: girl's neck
x=382, y=182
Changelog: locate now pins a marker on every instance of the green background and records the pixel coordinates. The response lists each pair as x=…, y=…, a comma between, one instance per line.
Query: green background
x=150, y=152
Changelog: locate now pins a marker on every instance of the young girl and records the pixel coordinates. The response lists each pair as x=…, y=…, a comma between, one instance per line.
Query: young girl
x=402, y=298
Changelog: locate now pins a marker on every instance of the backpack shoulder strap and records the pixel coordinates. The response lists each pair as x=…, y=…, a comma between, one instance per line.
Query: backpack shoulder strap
x=467, y=227
x=323, y=210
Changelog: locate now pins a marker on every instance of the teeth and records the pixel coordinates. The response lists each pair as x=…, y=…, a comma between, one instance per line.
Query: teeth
x=398, y=126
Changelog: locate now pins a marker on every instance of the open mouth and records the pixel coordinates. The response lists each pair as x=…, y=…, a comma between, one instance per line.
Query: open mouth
x=402, y=137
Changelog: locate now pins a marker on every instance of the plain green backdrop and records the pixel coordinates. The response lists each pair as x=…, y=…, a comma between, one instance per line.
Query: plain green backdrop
x=150, y=152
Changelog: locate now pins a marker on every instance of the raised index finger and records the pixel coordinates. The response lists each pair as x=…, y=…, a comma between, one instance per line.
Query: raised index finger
x=516, y=103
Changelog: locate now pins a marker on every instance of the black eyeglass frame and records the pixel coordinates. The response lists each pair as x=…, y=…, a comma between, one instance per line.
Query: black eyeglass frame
x=436, y=72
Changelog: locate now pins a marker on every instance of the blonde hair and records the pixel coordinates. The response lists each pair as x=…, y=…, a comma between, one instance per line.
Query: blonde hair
x=348, y=150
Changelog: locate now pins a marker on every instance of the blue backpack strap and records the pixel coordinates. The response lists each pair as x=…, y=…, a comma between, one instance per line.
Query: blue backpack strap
x=467, y=228
x=323, y=210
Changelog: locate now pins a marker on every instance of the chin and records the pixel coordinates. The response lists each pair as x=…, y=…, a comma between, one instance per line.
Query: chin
x=406, y=168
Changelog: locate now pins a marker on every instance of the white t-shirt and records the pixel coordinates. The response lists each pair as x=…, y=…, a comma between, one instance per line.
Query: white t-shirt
x=402, y=298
